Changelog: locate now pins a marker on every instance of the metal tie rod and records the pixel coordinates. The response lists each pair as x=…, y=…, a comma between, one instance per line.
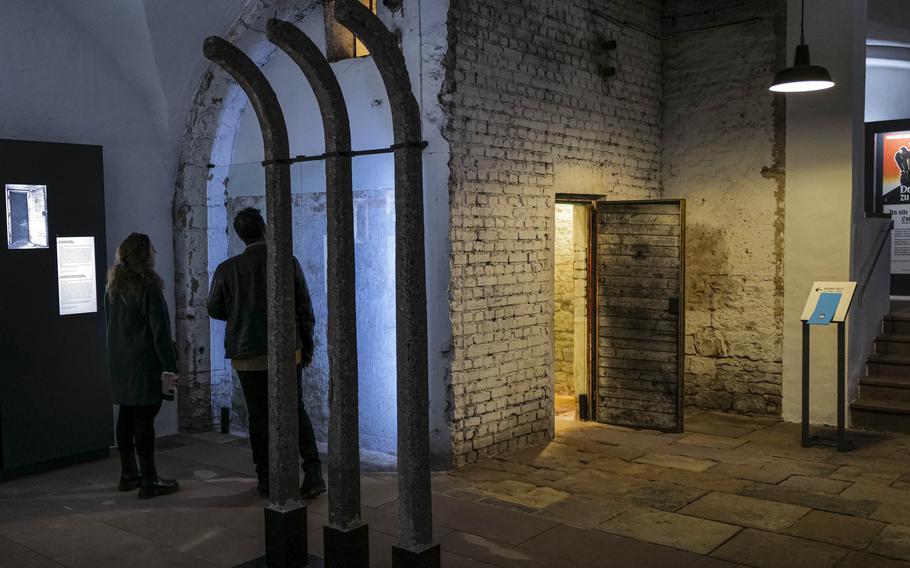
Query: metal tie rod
x=353, y=153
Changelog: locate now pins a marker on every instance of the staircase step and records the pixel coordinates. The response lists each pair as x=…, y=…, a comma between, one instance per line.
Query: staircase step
x=898, y=390
x=888, y=365
x=897, y=337
x=893, y=344
x=894, y=381
x=898, y=324
x=881, y=405
x=880, y=414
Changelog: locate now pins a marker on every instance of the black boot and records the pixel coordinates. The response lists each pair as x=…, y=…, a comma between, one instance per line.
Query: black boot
x=313, y=485
x=129, y=471
x=262, y=485
x=152, y=485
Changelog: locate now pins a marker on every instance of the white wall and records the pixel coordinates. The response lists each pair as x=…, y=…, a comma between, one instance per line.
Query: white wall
x=824, y=169
x=887, y=88
x=68, y=88
x=177, y=29
x=111, y=73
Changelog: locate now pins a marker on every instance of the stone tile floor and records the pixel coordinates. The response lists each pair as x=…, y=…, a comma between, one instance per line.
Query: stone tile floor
x=730, y=492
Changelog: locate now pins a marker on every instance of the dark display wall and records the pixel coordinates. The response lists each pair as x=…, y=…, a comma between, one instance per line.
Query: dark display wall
x=55, y=402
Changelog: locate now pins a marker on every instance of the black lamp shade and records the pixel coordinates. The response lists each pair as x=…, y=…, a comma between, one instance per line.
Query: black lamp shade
x=803, y=76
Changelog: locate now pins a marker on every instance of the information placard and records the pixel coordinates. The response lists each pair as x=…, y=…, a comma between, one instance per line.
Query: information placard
x=828, y=302
x=76, y=275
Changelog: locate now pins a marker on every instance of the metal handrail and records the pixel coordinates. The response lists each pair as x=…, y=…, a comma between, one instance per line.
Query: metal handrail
x=881, y=246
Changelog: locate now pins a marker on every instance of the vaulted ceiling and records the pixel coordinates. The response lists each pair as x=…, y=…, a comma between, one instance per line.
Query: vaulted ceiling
x=156, y=45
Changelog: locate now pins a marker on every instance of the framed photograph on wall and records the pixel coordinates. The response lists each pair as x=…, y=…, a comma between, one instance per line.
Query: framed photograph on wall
x=888, y=191
x=26, y=216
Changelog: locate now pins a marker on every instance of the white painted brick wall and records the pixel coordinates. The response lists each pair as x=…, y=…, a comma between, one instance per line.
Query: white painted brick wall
x=529, y=116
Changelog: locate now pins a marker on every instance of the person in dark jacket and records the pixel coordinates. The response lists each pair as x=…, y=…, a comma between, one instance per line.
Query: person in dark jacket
x=238, y=296
x=139, y=351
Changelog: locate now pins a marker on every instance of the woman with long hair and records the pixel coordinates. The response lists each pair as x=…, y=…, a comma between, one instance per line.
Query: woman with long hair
x=140, y=356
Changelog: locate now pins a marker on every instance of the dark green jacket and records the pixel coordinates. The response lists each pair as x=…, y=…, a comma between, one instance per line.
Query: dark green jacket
x=139, y=346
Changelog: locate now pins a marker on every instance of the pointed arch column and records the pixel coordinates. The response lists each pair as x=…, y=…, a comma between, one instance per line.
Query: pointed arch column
x=415, y=517
x=285, y=517
x=346, y=537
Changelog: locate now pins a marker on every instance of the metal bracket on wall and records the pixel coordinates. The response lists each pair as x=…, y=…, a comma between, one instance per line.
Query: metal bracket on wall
x=603, y=47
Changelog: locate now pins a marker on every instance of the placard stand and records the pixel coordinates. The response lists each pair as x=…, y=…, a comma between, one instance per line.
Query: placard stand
x=813, y=315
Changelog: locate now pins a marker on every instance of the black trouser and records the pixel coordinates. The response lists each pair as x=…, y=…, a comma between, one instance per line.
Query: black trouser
x=256, y=393
x=136, y=428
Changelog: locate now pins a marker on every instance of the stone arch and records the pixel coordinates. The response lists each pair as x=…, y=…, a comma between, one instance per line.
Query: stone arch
x=208, y=137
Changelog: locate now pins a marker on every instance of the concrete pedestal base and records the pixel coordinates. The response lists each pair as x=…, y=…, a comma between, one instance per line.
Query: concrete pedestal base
x=428, y=558
x=314, y=562
x=285, y=537
x=347, y=548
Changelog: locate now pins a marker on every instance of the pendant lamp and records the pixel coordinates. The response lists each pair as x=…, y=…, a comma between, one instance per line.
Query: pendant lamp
x=803, y=76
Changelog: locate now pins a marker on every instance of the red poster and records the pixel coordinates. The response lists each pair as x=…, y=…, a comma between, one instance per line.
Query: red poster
x=895, y=167
x=892, y=162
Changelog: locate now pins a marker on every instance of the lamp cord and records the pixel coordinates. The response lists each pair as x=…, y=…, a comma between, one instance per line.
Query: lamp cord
x=802, y=23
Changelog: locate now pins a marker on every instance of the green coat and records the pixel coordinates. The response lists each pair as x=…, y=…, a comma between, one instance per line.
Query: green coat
x=139, y=346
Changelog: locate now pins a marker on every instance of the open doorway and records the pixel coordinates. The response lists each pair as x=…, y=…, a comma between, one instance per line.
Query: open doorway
x=571, y=293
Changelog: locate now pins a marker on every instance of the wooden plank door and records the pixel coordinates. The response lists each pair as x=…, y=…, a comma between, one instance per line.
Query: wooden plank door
x=639, y=293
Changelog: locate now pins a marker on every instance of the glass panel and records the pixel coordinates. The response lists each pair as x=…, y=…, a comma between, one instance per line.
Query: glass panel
x=236, y=186
x=374, y=244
